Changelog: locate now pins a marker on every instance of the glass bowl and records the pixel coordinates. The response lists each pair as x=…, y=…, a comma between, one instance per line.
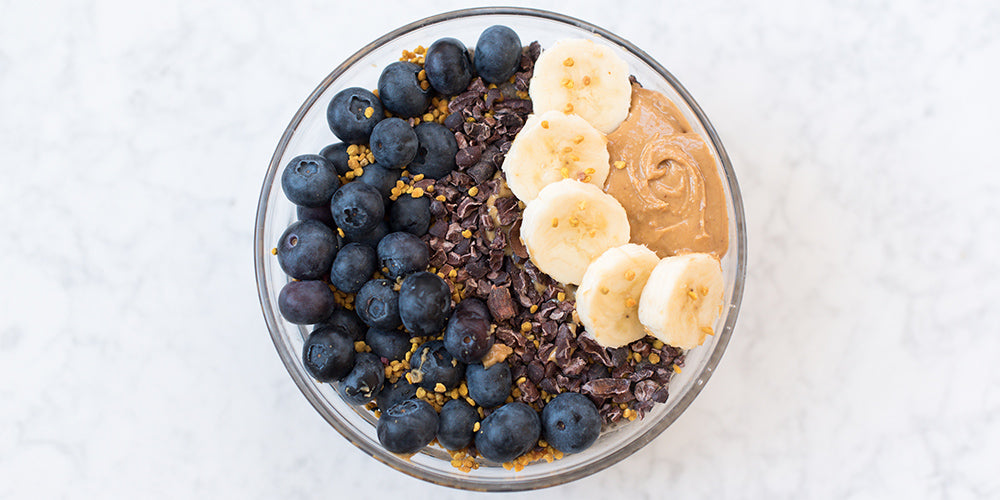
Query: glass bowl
x=308, y=133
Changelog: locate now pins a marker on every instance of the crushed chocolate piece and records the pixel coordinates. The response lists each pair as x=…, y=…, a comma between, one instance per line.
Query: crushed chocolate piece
x=500, y=304
x=661, y=394
x=645, y=389
x=606, y=387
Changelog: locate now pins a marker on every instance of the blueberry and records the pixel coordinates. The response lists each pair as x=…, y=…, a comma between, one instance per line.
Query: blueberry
x=354, y=265
x=309, y=181
x=382, y=179
x=467, y=336
x=410, y=214
x=403, y=253
x=448, y=67
x=328, y=353
x=357, y=208
x=431, y=364
x=570, y=422
x=346, y=321
x=364, y=380
x=306, y=302
x=393, y=143
x=400, y=91
x=455, y=424
x=336, y=154
x=488, y=387
x=307, y=249
x=370, y=239
x=395, y=392
x=348, y=114
x=498, y=54
x=424, y=303
x=388, y=344
x=407, y=426
x=320, y=214
x=509, y=432
x=436, y=151
x=377, y=304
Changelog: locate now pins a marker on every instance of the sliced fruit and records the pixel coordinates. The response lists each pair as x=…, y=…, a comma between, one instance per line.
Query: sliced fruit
x=682, y=299
x=582, y=77
x=608, y=298
x=568, y=225
x=551, y=147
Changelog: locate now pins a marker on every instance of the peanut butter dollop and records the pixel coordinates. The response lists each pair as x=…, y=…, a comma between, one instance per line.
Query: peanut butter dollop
x=667, y=180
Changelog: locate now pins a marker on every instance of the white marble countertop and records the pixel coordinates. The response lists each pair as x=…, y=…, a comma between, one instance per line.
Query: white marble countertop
x=134, y=360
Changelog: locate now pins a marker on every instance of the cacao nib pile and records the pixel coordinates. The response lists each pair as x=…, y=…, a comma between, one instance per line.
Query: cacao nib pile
x=474, y=242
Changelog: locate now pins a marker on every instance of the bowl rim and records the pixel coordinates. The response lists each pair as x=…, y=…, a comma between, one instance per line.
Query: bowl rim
x=290, y=360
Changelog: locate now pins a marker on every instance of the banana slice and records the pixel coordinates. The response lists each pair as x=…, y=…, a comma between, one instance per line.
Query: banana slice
x=608, y=298
x=582, y=77
x=568, y=225
x=555, y=146
x=682, y=299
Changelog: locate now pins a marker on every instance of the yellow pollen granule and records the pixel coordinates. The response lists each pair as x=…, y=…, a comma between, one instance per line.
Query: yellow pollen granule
x=676, y=369
x=654, y=358
x=359, y=346
x=417, y=192
x=694, y=296
x=439, y=387
x=473, y=191
x=565, y=172
x=630, y=302
x=590, y=171
x=567, y=149
x=704, y=290
x=526, y=326
x=588, y=179
x=657, y=344
x=592, y=233
x=573, y=221
x=568, y=61
x=429, y=189
x=533, y=309
x=428, y=117
x=418, y=177
x=566, y=82
x=421, y=392
x=369, y=111
x=619, y=164
x=708, y=330
x=340, y=232
x=440, y=197
x=424, y=85
x=586, y=80
x=452, y=273
x=555, y=223
x=574, y=157
x=630, y=275
x=545, y=124
x=422, y=75
x=420, y=50
x=582, y=205
x=475, y=427
x=569, y=107
x=352, y=150
x=604, y=290
x=274, y=251
x=561, y=296
x=466, y=233
x=578, y=139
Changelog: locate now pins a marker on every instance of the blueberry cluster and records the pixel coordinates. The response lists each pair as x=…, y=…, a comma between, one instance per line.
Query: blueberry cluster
x=359, y=236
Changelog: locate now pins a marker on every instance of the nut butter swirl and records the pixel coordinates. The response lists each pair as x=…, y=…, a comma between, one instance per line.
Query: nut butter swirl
x=669, y=183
